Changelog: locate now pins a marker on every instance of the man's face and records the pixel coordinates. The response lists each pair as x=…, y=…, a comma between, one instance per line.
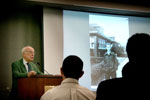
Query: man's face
x=108, y=46
x=28, y=54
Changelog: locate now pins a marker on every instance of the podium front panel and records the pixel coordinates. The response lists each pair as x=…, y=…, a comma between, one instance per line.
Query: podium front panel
x=33, y=88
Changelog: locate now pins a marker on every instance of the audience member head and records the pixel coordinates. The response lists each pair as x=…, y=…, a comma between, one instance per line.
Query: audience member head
x=72, y=67
x=28, y=53
x=138, y=47
x=137, y=50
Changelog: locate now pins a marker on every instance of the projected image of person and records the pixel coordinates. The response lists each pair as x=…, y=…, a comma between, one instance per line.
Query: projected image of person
x=110, y=63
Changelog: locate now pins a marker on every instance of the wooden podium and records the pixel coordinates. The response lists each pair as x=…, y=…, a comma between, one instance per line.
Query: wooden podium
x=33, y=88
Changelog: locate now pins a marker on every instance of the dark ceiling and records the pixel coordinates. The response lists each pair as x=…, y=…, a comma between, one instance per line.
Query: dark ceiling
x=135, y=2
x=15, y=5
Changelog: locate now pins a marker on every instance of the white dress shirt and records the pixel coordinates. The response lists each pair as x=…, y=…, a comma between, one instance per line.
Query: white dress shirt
x=25, y=64
x=69, y=90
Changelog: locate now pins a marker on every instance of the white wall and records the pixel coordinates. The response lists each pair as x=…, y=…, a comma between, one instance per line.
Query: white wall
x=76, y=40
x=53, y=40
x=139, y=24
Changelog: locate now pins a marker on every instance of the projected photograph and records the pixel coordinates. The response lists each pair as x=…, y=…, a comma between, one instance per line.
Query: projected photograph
x=108, y=38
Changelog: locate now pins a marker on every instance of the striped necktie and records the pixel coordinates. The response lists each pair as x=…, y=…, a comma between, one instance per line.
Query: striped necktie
x=29, y=67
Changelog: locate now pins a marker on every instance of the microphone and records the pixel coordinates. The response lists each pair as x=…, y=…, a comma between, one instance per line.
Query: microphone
x=44, y=69
x=38, y=64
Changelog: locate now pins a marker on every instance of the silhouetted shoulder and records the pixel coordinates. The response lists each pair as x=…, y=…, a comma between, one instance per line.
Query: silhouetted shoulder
x=109, y=89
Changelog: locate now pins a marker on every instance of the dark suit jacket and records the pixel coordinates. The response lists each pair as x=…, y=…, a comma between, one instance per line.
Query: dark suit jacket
x=131, y=86
x=19, y=71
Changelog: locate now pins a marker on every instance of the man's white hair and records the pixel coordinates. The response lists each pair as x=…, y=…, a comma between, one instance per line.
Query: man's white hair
x=24, y=49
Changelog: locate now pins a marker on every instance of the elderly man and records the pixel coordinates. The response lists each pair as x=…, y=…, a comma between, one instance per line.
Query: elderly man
x=23, y=68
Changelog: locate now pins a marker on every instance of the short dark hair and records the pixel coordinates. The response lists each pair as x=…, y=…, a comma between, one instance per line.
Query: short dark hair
x=72, y=67
x=138, y=46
